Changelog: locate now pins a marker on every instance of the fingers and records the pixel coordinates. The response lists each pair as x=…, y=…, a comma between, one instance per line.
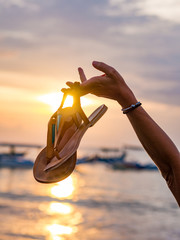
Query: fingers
x=90, y=85
x=63, y=90
x=85, y=84
x=82, y=75
x=108, y=70
x=70, y=84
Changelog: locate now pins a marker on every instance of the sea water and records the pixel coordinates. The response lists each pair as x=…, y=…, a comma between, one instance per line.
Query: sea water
x=94, y=203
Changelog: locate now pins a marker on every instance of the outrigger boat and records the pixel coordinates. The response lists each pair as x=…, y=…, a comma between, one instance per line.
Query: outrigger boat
x=14, y=159
x=116, y=159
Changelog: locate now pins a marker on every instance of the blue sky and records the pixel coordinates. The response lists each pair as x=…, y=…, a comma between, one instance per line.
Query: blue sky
x=43, y=42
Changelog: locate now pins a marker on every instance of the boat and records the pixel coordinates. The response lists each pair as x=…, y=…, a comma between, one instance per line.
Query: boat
x=133, y=166
x=117, y=159
x=102, y=159
x=14, y=159
x=86, y=159
x=112, y=160
x=104, y=155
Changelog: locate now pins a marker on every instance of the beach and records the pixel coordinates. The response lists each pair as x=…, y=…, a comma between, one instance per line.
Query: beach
x=95, y=202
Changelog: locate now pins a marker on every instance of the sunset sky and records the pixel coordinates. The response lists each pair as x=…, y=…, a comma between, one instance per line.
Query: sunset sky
x=42, y=43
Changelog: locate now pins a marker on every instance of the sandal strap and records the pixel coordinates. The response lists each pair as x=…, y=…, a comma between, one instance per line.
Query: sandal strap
x=51, y=137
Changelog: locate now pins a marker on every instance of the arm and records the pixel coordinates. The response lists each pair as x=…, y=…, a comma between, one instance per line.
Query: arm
x=155, y=141
x=159, y=147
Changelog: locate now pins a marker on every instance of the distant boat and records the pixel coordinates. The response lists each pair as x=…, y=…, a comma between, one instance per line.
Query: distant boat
x=117, y=162
x=86, y=160
x=112, y=160
x=16, y=161
x=13, y=159
x=133, y=166
x=98, y=158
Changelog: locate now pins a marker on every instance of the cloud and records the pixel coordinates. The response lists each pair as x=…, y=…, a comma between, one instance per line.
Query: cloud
x=168, y=10
x=30, y=5
x=25, y=35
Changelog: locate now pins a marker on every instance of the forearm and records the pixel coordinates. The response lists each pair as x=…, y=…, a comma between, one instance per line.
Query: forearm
x=155, y=141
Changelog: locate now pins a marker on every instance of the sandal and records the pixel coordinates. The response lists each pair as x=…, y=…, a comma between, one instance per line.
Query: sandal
x=66, y=128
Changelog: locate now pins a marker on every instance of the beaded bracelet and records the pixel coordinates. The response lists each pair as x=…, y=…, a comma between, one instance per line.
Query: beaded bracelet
x=132, y=107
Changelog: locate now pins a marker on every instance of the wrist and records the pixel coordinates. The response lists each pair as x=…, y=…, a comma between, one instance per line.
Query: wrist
x=124, y=95
x=127, y=101
x=131, y=107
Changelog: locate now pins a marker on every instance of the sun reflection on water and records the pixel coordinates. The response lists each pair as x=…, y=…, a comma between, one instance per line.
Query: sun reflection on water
x=61, y=208
x=63, y=189
x=58, y=227
x=57, y=238
x=56, y=230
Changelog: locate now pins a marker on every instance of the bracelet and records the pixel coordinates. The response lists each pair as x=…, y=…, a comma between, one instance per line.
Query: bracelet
x=132, y=107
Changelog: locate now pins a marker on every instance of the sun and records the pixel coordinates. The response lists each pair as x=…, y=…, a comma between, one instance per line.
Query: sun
x=54, y=99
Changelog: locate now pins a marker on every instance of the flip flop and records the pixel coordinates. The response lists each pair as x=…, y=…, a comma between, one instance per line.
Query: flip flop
x=63, y=123
x=65, y=131
x=73, y=143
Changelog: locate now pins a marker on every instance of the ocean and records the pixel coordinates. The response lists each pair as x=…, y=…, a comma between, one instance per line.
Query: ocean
x=94, y=203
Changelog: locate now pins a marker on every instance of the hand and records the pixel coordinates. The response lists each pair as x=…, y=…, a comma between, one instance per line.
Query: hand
x=109, y=85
